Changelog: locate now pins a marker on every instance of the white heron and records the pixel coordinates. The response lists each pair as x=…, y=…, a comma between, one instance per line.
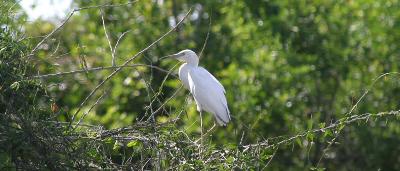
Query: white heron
x=207, y=91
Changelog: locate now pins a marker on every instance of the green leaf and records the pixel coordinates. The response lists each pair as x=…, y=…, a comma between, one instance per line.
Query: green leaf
x=310, y=136
x=321, y=125
x=117, y=146
x=15, y=85
x=133, y=143
x=317, y=168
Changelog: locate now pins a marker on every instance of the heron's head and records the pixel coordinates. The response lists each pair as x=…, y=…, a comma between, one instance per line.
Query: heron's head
x=187, y=56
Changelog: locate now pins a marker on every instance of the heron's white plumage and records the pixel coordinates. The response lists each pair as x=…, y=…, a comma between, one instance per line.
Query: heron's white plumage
x=207, y=91
x=209, y=94
x=183, y=75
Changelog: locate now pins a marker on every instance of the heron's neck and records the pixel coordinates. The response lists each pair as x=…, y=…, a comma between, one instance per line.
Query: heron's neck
x=193, y=61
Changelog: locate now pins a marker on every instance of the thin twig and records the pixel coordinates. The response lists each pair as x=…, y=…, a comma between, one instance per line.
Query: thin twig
x=119, y=38
x=272, y=157
x=90, y=109
x=99, y=69
x=159, y=108
x=108, y=38
x=207, y=132
x=206, y=40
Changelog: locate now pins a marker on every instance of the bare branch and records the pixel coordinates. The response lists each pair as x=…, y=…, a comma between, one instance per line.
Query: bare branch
x=206, y=40
x=99, y=69
x=90, y=109
x=159, y=108
x=108, y=38
x=272, y=157
x=119, y=38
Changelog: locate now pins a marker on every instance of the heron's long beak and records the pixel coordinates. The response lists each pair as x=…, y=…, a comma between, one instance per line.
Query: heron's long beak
x=177, y=55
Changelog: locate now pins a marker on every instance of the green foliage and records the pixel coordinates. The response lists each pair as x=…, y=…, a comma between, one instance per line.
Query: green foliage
x=293, y=70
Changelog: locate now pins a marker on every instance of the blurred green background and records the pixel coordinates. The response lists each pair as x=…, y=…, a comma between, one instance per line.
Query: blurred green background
x=287, y=67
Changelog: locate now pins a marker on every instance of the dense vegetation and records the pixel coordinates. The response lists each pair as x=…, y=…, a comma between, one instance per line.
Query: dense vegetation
x=310, y=85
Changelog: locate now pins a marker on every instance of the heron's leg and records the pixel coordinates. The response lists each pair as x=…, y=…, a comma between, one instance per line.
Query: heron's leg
x=201, y=131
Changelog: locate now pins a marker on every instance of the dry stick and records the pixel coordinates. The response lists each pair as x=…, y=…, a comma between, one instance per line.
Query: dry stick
x=178, y=117
x=119, y=38
x=173, y=95
x=352, y=109
x=207, y=132
x=272, y=157
x=241, y=139
x=108, y=38
x=55, y=51
x=126, y=63
x=155, y=97
x=69, y=17
x=206, y=40
x=148, y=88
x=188, y=138
x=83, y=63
x=90, y=109
x=61, y=55
x=98, y=69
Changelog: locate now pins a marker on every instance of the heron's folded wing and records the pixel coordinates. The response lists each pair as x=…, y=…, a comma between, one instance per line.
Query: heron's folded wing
x=210, y=93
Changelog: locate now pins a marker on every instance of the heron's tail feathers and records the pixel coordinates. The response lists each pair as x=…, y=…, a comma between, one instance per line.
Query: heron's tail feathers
x=222, y=118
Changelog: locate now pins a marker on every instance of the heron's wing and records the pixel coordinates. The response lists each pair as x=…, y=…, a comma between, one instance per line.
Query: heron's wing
x=209, y=94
